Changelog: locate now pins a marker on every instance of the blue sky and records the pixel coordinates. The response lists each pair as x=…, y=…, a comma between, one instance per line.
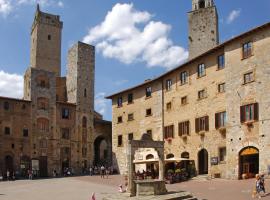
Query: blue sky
x=135, y=40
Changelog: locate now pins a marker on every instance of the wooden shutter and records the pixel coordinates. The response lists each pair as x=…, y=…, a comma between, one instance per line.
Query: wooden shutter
x=180, y=128
x=206, y=123
x=172, y=131
x=242, y=114
x=217, y=120
x=256, y=111
x=197, y=125
x=188, y=128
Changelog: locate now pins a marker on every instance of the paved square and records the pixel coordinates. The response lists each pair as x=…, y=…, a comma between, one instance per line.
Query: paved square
x=81, y=188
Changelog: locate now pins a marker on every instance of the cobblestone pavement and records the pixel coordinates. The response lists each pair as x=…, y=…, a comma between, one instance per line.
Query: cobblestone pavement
x=81, y=188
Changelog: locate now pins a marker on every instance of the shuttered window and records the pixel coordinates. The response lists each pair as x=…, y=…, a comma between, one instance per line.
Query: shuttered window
x=249, y=112
x=183, y=128
x=220, y=120
x=202, y=124
x=168, y=132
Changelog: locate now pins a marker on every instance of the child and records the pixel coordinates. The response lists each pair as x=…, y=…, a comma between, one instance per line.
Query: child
x=257, y=187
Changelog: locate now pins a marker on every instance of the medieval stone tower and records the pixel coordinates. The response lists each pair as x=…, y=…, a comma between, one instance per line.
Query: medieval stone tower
x=203, y=27
x=46, y=42
x=80, y=91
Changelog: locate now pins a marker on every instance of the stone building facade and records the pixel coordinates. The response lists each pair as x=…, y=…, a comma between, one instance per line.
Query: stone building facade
x=213, y=109
x=54, y=126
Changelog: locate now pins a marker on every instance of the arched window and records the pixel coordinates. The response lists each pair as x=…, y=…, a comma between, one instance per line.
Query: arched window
x=43, y=124
x=202, y=4
x=85, y=93
x=84, y=122
x=43, y=103
x=185, y=155
x=149, y=156
x=169, y=156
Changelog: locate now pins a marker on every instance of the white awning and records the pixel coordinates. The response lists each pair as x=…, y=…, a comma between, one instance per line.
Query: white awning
x=170, y=160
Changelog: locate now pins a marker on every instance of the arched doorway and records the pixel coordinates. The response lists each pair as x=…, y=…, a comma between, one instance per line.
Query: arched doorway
x=203, y=161
x=101, y=151
x=248, y=162
x=185, y=155
x=9, y=163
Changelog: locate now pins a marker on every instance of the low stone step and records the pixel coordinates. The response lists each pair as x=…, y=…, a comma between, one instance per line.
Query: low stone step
x=170, y=196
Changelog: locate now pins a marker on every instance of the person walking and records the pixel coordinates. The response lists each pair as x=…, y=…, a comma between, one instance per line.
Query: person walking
x=102, y=171
x=8, y=175
x=30, y=174
x=91, y=171
x=258, y=189
x=262, y=182
x=107, y=172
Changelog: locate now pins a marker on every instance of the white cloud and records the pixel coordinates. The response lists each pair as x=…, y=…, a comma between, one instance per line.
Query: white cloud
x=5, y=7
x=11, y=85
x=60, y=4
x=101, y=104
x=129, y=36
x=233, y=15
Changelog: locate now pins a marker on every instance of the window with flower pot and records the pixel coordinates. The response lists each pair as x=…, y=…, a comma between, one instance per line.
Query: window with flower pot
x=249, y=112
x=202, y=124
x=169, y=131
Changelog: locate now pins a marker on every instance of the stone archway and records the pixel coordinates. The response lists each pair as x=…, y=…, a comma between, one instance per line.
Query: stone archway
x=248, y=162
x=102, y=151
x=203, y=162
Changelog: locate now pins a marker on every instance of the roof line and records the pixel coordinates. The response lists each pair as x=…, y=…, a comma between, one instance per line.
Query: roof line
x=193, y=59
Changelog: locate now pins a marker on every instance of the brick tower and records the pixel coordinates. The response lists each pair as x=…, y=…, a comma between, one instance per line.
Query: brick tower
x=203, y=27
x=80, y=91
x=46, y=42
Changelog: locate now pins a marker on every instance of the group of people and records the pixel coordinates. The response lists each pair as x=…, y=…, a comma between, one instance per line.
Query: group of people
x=103, y=171
x=259, y=186
x=145, y=174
